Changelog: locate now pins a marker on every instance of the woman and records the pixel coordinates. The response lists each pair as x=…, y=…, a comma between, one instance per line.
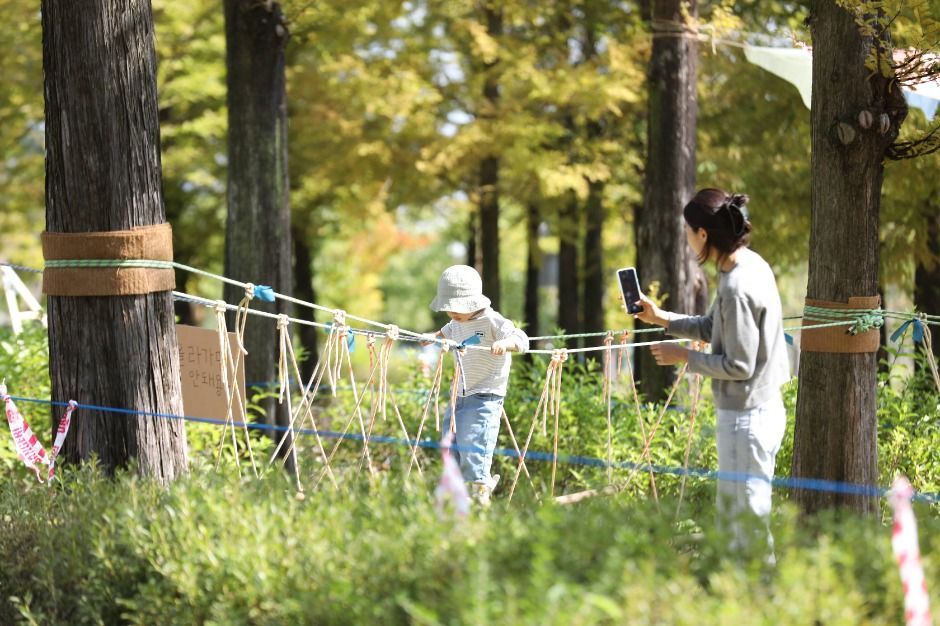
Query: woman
x=748, y=360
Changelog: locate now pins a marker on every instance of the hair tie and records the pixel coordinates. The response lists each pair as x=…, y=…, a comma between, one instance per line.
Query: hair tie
x=737, y=202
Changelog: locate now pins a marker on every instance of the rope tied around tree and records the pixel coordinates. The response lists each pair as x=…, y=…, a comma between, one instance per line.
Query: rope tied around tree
x=857, y=320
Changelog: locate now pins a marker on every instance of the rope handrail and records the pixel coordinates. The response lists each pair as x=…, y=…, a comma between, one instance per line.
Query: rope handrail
x=855, y=318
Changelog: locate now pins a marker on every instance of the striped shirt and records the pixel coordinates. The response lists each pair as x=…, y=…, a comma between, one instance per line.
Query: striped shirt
x=484, y=372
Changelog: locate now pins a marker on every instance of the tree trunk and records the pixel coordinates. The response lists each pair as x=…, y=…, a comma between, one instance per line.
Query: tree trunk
x=532, y=267
x=102, y=174
x=473, y=237
x=663, y=256
x=304, y=290
x=257, y=230
x=489, y=170
x=927, y=277
x=594, y=279
x=836, y=424
x=594, y=219
x=185, y=312
x=569, y=300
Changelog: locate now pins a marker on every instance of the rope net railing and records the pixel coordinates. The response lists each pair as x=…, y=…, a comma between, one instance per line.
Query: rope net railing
x=335, y=364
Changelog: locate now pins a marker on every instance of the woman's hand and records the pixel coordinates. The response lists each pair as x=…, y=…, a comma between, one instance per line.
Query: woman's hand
x=650, y=313
x=669, y=354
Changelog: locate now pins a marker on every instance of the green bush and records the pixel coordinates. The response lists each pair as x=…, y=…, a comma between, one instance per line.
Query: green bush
x=213, y=549
x=216, y=548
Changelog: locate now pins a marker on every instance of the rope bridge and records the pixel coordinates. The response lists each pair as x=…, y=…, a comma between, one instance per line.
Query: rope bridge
x=335, y=363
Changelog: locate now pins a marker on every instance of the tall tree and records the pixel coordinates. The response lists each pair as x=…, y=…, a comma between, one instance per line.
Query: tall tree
x=662, y=254
x=927, y=274
x=304, y=290
x=257, y=231
x=594, y=279
x=569, y=275
x=489, y=166
x=103, y=173
x=532, y=267
x=836, y=424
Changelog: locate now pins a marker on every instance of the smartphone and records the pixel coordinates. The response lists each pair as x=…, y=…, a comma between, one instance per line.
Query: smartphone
x=630, y=288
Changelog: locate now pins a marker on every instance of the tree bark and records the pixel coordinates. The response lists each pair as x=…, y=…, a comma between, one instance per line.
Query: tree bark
x=489, y=169
x=103, y=173
x=836, y=424
x=663, y=256
x=532, y=267
x=927, y=276
x=594, y=218
x=304, y=289
x=569, y=300
x=257, y=234
x=473, y=236
x=594, y=264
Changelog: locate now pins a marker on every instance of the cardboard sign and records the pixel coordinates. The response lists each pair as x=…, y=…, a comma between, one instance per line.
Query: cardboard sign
x=201, y=373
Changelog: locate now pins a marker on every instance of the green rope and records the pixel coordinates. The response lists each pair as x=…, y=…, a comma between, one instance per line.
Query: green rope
x=58, y=263
x=862, y=320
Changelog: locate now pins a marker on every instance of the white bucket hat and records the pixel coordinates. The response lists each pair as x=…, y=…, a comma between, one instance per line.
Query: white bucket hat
x=460, y=290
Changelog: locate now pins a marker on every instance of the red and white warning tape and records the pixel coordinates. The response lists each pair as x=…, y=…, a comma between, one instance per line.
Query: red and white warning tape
x=451, y=487
x=907, y=554
x=27, y=446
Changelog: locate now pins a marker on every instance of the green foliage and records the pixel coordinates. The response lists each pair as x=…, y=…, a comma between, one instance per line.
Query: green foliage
x=909, y=421
x=21, y=131
x=213, y=549
x=221, y=548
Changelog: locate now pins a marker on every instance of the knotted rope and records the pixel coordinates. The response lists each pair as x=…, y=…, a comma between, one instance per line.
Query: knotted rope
x=433, y=397
x=307, y=396
x=231, y=388
x=286, y=356
x=551, y=395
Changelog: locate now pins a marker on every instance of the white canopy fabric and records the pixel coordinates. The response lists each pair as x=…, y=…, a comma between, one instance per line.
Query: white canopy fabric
x=795, y=65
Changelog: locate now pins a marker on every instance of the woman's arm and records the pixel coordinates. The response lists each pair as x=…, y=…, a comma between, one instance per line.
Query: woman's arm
x=696, y=327
x=740, y=340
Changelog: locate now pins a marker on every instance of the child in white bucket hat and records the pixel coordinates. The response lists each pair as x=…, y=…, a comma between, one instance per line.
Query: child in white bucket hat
x=481, y=391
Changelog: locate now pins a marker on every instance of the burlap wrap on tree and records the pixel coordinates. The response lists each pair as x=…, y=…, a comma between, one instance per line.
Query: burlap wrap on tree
x=835, y=339
x=152, y=243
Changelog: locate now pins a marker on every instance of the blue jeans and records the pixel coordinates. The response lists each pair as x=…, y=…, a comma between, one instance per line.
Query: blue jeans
x=748, y=442
x=477, y=428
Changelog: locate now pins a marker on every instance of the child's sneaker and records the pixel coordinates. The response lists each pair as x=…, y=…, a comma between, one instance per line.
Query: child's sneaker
x=480, y=492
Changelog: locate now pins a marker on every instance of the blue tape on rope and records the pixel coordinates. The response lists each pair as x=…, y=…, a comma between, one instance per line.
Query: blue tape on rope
x=812, y=484
x=918, y=335
x=896, y=335
x=472, y=340
x=264, y=293
x=789, y=338
x=350, y=337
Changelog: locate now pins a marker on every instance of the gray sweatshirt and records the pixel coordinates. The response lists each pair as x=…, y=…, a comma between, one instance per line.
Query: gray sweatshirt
x=748, y=361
